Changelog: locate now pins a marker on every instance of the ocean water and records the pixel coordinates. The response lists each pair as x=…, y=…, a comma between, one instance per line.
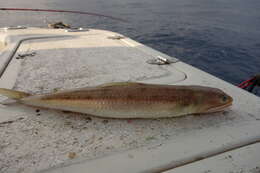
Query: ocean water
x=218, y=36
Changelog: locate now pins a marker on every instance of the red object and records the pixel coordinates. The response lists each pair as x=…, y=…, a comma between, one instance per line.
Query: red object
x=246, y=83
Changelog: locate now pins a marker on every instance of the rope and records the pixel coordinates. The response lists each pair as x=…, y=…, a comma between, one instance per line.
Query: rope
x=63, y=11
x=250, y=83
x=246, y=83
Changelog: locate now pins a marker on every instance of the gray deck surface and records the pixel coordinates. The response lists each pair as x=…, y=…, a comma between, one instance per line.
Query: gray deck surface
x=33, y=140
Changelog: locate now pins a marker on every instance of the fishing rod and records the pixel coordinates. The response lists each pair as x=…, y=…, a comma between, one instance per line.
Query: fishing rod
x=62, y=11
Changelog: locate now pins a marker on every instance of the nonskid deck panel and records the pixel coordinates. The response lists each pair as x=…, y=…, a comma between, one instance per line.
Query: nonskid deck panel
x=47, y=138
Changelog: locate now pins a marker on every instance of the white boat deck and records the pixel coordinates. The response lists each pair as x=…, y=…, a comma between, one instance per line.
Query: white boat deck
x=34, y=139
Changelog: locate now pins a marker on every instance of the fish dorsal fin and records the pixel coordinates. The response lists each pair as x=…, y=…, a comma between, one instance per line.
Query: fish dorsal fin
x=121, y=84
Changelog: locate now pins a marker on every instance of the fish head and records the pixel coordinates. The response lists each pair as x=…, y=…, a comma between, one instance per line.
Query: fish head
x=213, y=100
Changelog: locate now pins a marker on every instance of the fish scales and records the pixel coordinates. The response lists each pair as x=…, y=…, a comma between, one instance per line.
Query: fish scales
x=135, y=100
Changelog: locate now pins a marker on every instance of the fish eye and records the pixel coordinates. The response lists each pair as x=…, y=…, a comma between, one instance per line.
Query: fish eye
x=224, y=98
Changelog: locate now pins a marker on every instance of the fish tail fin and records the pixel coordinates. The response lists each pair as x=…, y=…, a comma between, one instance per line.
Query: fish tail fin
x=12, y=94
x=8, y=101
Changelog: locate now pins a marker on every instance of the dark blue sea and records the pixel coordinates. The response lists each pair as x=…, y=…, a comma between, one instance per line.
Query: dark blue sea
x=221, y=37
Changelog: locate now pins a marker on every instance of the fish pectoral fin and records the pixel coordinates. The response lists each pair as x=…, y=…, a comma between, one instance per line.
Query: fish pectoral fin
x=12, y=94
x=121, y=84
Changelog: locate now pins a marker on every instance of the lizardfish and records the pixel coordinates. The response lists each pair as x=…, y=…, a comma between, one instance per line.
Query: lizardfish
x=130, y=100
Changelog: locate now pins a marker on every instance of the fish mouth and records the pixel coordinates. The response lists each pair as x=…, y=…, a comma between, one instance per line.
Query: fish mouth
x=219, y=108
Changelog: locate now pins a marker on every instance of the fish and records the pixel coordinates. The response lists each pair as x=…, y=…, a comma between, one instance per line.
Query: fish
x=130, y=100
